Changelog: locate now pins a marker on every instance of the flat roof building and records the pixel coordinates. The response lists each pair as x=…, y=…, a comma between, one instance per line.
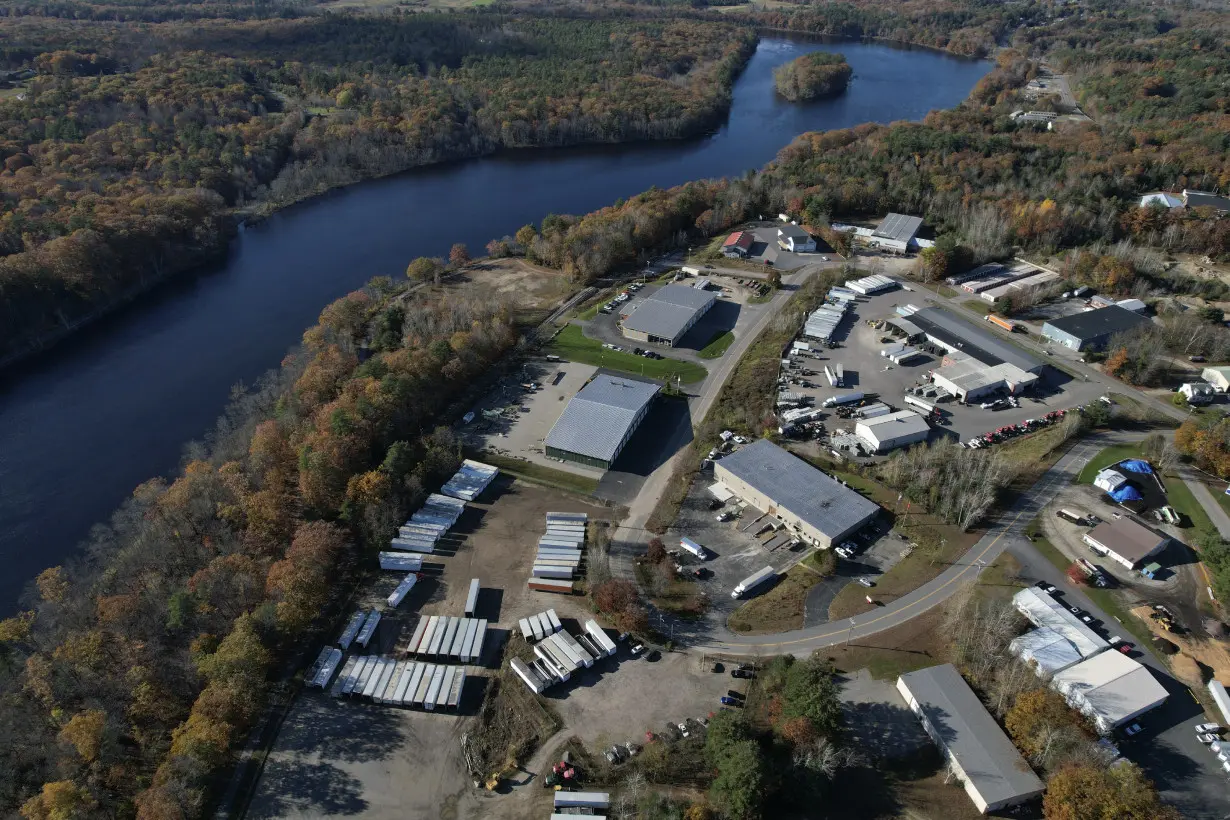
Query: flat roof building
x=665, y=315
x=1044, y=611
x=1045, y=651
x=955, y=334
x=820, y=509
x=1110, y=689
x=599, y=420
x=1126, y=540
x=1092, y=329
x=1205, y=199
x=968, y=379
x=893, y=430
x=994, y=774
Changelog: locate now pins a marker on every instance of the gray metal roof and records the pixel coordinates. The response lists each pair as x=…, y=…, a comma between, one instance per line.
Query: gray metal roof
x=666, y=312
x=795, y=485
x=793, y=232
x=899, y=227
x=978, y=343
x=595, y=421
x=989, y=760
x=1095, y=324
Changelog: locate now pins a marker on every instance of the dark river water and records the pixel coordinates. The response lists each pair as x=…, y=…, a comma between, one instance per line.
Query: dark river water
x=85, y=424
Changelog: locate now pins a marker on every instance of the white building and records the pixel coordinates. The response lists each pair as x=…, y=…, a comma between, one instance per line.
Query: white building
x=1046, y=651
x=1197, y=392
x=968, y=379
x=1172, y=201
x=1126, y=541
x=1109, y=480
x=796, y=240
x=1044, y=611
x=893, y=430
x=896, y=233
x=1110, y=689
x=1219, y=377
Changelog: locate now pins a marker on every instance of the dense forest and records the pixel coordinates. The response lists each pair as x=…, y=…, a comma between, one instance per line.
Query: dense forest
x=812, y=76
x=119, y=167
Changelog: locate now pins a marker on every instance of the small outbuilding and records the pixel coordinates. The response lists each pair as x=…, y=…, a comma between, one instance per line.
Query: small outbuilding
x=738, y=244
x=1109, y=480
x=893, y=430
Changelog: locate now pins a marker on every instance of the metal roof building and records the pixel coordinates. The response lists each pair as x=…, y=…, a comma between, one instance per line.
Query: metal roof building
x=1093, y=328
x=993, y=772
x=1044, y=611
x=968, y=379
x=666, y=314
x=1046, y=650
x=1127, y=541
x=893, y=430
x=818, y=508
x=1110, y=689
x=897, y=231
x=948, y=331
x=600, y=419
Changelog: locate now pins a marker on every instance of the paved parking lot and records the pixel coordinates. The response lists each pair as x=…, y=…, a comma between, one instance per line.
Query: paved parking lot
x=726, y=313
x=866, y=371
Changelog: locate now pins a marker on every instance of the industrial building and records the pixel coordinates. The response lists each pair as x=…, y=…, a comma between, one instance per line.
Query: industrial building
x=888, y=432
x=896, y=233
x=738, y=244
x=957, y=335
x=796, y=240
x=1029, y=281
x=1126, y=540
x=1046, y=651
x=1110, y=689
x=1092, y=329
x=1219, y=377
x=968, y=379
x=994, y=774
x=664, y=316
x=600, y=419
x=873, y=284
x=819, y=509
x=1044, y=611
x=1190, y=198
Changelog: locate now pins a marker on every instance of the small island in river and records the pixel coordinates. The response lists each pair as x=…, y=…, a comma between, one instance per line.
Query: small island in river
x=813, y=76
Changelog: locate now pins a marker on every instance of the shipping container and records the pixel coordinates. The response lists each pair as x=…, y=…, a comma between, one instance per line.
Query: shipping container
x=547, y=571
x=536, y=626
x=416, y=681
x=469, y=651
x=480, y=637
x=403, y=683
x=599, y=634
x=433, y=691
x=369, y=628
x=326, y=664
x=403, y=589
x=834, y=401
x=585, y=800
x=557, y=585
x=526, y=632
x=433, y=623
x=459, y=685
x=429, y=674
x=352, y=629
x=459, y=642
x=344, y=675
x=554, y=620
x=412, y=648
x=1001, y=322
x=472, y=598
x=446, y=687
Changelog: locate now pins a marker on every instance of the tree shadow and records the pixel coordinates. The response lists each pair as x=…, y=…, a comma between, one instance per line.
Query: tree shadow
x=292, y=787
x=884, y=731
x=349, y=731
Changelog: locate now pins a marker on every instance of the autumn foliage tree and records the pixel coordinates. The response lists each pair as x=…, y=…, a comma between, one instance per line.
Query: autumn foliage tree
x=300, y=582
x=458, y=255
x=1082, y=791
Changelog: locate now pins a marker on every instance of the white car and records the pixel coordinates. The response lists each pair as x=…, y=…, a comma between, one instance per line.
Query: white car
x=683, y=730
x=1207, y=738
x=1208, y=727
x=867, y=582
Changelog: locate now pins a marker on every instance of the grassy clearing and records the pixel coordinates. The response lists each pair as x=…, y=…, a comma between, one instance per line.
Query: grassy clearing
x=575, y=346
x=1131, y=408
x=1106, y=599
x=1107, y=457
x=538, y=474
x=760, y=300
x=590, y=312
x=718, y=345
x=978, y=306
x=513, y=721
x=781, y=608
x=1034, y=448
x=1181, y=498
x=681, y=598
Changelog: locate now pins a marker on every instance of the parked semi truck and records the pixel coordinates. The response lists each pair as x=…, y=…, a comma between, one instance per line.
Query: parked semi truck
x=1006, y=324
x=834, y=401
x=752, y=581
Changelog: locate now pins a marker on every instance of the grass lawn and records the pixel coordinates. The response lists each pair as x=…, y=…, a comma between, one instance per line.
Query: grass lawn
x=1033, y=448
x=761, y=300
x=1132, y=408
x=781, y=608
x=1107, y=457
x=575, y=346
x=718, y=345
x=978, y=306
x=591, y=312
x=539, y=474
x=1181, y=498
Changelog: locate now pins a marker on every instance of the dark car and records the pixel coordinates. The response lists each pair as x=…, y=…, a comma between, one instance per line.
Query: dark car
x=636, y=351
x=728, y=701
x=747, y=674
x=734, y=694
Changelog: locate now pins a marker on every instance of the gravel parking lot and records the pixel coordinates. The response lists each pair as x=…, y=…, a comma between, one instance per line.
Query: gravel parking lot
x=868, y=372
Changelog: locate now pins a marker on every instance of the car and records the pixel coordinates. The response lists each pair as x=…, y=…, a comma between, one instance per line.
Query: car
x=638, y=351
x=683, y=730
x=746, y=674
x=1208, y=738
x=1209, y=727
x=638, y=649
x=867, y=582
x=1087, y=618
x=735, y=694
x=1197, y=359
x=729, y=701
x=725, y=515
x=1134, y=729
x=1045, y=587
x=1125, y=648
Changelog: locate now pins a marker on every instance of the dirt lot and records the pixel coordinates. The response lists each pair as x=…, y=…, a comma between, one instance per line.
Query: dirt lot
x=529, y=286
x=345, y=758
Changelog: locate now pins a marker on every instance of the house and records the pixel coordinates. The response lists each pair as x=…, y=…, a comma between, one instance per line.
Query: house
x=1093, y=328
x=796, y=240
x=1126, y=540
x=1219, y=377
x=1197, y=393
x=1205, y=199
x=738, y=244
x=1171, y=201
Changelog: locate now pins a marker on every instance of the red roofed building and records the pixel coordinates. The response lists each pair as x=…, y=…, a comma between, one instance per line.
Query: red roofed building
x=738, y=243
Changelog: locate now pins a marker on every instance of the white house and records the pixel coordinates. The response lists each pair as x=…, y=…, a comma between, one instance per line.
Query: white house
x=1172, y=201
x=1219, y=377
x=1197, y=392
x=796, y=240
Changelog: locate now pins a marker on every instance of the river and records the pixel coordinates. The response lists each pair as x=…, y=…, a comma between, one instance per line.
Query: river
x=82, y=426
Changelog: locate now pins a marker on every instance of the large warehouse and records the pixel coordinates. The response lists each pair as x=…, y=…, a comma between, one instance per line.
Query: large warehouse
x=1044, y=611
x=1110, y=689
x=993, y=772
x=893, y=430
x=968, y=379
x=663, y=316
x=957, y=335
x=1092, y=329
x=1126, y=540
x=599, y=420
x=896, y=232
x=818, y=508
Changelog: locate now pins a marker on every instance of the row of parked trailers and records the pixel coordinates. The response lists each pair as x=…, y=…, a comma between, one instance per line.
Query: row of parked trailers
x=389, y=681
x=871, y=284
x=900, y=353
x=447, y=637
x=559, y=549
x=559, y=654
x=469, y=482
x=360, y=629
x=823, y=321
x=537, y=627
x=436, y=517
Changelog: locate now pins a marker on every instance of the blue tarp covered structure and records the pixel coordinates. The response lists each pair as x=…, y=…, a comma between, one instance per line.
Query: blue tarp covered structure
x=1134, y=465
x=1126, y=493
